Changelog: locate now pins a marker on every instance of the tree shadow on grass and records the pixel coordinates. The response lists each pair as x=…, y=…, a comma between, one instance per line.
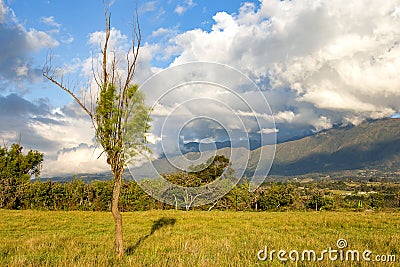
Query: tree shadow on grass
x=157, y=225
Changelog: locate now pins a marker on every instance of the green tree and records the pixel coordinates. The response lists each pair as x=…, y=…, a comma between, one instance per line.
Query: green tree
x=319, y=201
x=239, y=198
x=197, y=176
x=277, y=197
x=118, y=113
x=16, y=169
x=376, y=200
x=201, y=174
x=134, y=198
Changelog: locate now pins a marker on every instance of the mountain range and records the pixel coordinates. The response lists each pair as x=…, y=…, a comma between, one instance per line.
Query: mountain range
x=370, y=145
x=373, y=144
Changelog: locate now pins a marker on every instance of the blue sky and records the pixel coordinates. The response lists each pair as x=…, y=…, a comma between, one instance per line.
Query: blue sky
x=71, y=22
x=319, y=63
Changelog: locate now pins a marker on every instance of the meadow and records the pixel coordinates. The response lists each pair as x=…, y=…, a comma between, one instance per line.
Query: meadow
x=193, y=238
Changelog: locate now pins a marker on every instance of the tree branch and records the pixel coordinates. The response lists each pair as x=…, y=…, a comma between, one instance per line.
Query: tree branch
x=59, y=84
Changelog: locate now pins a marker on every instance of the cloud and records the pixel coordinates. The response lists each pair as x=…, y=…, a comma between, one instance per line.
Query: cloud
x=63, y=36
x=67, y=38
x=323, y=62
x=284, y=116
x=14, y=105
x=16, y=46
x=224, y=107
x=68, y=129
x=64, y=135
x=188, y=4
x=120, y=44
x=39, y=40
x=268, y=131
x=180, y=10
x=320, y=63
x=50, y=21
x=16, y=116
x=76, y=160
x=149, y=6
x=3, y=12
x=162, y=32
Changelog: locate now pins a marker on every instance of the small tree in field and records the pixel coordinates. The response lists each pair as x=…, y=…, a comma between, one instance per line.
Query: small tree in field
x=117, y=111
x=16, y=169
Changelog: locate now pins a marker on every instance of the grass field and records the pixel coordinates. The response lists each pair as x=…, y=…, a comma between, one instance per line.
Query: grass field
x=177, y=238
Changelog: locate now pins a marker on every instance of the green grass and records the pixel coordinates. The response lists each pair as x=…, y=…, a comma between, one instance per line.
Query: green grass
x=217, y=238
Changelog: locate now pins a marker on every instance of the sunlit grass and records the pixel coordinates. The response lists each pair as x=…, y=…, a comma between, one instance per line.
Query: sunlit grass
x=195, y=238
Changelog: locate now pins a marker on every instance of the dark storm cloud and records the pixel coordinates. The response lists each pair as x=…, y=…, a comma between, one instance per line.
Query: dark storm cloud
x=16, y=117
x=14, y=105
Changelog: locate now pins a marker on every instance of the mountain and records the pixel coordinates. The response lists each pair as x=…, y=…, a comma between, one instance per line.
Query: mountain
x=373, y=144
x=370, y=145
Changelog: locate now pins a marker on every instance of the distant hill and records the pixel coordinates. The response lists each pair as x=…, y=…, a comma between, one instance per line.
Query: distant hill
x=373, y=145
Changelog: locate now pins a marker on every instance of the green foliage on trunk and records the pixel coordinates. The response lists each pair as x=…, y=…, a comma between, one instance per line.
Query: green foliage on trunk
x=122, y=118
x=137, y=123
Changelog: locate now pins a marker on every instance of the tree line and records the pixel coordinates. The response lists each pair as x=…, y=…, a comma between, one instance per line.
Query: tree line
x=97, y=196
x=18, y=191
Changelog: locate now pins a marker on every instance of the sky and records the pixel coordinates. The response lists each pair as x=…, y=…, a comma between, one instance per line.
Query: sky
x=319, y=63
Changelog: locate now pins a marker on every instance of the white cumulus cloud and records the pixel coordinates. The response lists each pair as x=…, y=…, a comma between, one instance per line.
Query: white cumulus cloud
x=332, y=59
x=76, y=160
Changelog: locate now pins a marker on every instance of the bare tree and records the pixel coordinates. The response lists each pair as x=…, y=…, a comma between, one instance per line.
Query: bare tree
x=117, y=111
